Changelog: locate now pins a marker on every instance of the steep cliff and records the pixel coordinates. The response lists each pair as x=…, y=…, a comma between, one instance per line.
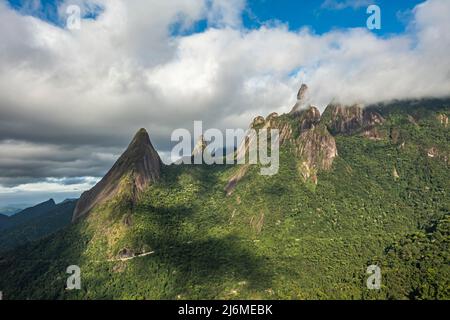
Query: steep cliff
x=140, y=163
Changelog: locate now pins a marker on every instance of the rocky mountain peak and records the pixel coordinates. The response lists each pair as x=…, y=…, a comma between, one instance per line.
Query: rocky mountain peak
x=49, y=202
x=200, y=146
x=308, y=118
x=349, y=119
x=140, y=163
x=301, y=95
x=272, y=116
x=302, y=99
x=141, y=138
x=316, y=150
x=257, y=122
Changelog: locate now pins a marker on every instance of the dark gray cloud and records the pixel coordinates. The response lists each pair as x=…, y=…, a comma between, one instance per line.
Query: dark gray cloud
x=28, y=162
x=70, y=101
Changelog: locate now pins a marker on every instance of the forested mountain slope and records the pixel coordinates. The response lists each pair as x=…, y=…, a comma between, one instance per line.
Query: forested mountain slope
x=355, y=187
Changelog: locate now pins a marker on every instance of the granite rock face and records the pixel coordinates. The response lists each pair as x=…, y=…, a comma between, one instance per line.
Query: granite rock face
x=443, y=119
x=316, y=150
x=200, y=146
x=308, y=118
x=303, y=132
x=341, y=119
x=140, y=164
x=302, y=99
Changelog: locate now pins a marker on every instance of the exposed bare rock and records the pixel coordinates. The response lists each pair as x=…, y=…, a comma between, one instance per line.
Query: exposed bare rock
x=443, y=119
x=308, y=118
x=313, y=144
x=302, y=99
x=349, y=119
x=316, y=149
x=243, y=149
x=258, y=121
x=285, y=131
x=433, y=152
x=257, y=222
x=199, y=147
x=271, y=118
x=301, y=95
x=140, y=164
x=231, y=185
x=343, y=119
x=441, y=155
x=252, y=136
x=371, y=118
x=412, y=120
x=373, y=133
x=125, y=254
x=395, y=174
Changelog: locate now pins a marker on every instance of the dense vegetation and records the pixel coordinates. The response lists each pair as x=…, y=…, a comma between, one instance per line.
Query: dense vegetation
x=418, y=266
x=9, y=211
x=34, y=223
x=385, y=202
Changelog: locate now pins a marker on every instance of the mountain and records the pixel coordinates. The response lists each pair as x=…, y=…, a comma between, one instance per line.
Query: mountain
x=34, y=223
x=356, y=186
x=3, y=219
x=303, y=99
x=135, y=170
x=12, y=209
x=29, y=213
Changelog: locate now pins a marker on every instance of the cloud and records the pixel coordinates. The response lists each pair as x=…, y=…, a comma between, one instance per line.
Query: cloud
x=344, y=4
x=70, y=101
x=54, y=185
x=25, y=162
x=36, y=192
x=225, y=13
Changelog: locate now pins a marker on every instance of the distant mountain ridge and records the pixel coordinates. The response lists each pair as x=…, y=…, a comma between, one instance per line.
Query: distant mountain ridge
x=3, y=219
x=11, y=210
x=25, y=214
x=34, y=223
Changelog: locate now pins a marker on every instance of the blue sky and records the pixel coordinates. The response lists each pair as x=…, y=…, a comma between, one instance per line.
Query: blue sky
x=319, y=15
x=48, y=10
x=322, y=18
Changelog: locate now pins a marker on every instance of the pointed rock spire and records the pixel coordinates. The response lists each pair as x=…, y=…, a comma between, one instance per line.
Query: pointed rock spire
x=302, y=99
x=199, y=147
x=140, y=162
x=301, y=95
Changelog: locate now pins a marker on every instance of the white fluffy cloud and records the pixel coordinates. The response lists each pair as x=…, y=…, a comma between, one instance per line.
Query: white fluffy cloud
x=93, y=88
